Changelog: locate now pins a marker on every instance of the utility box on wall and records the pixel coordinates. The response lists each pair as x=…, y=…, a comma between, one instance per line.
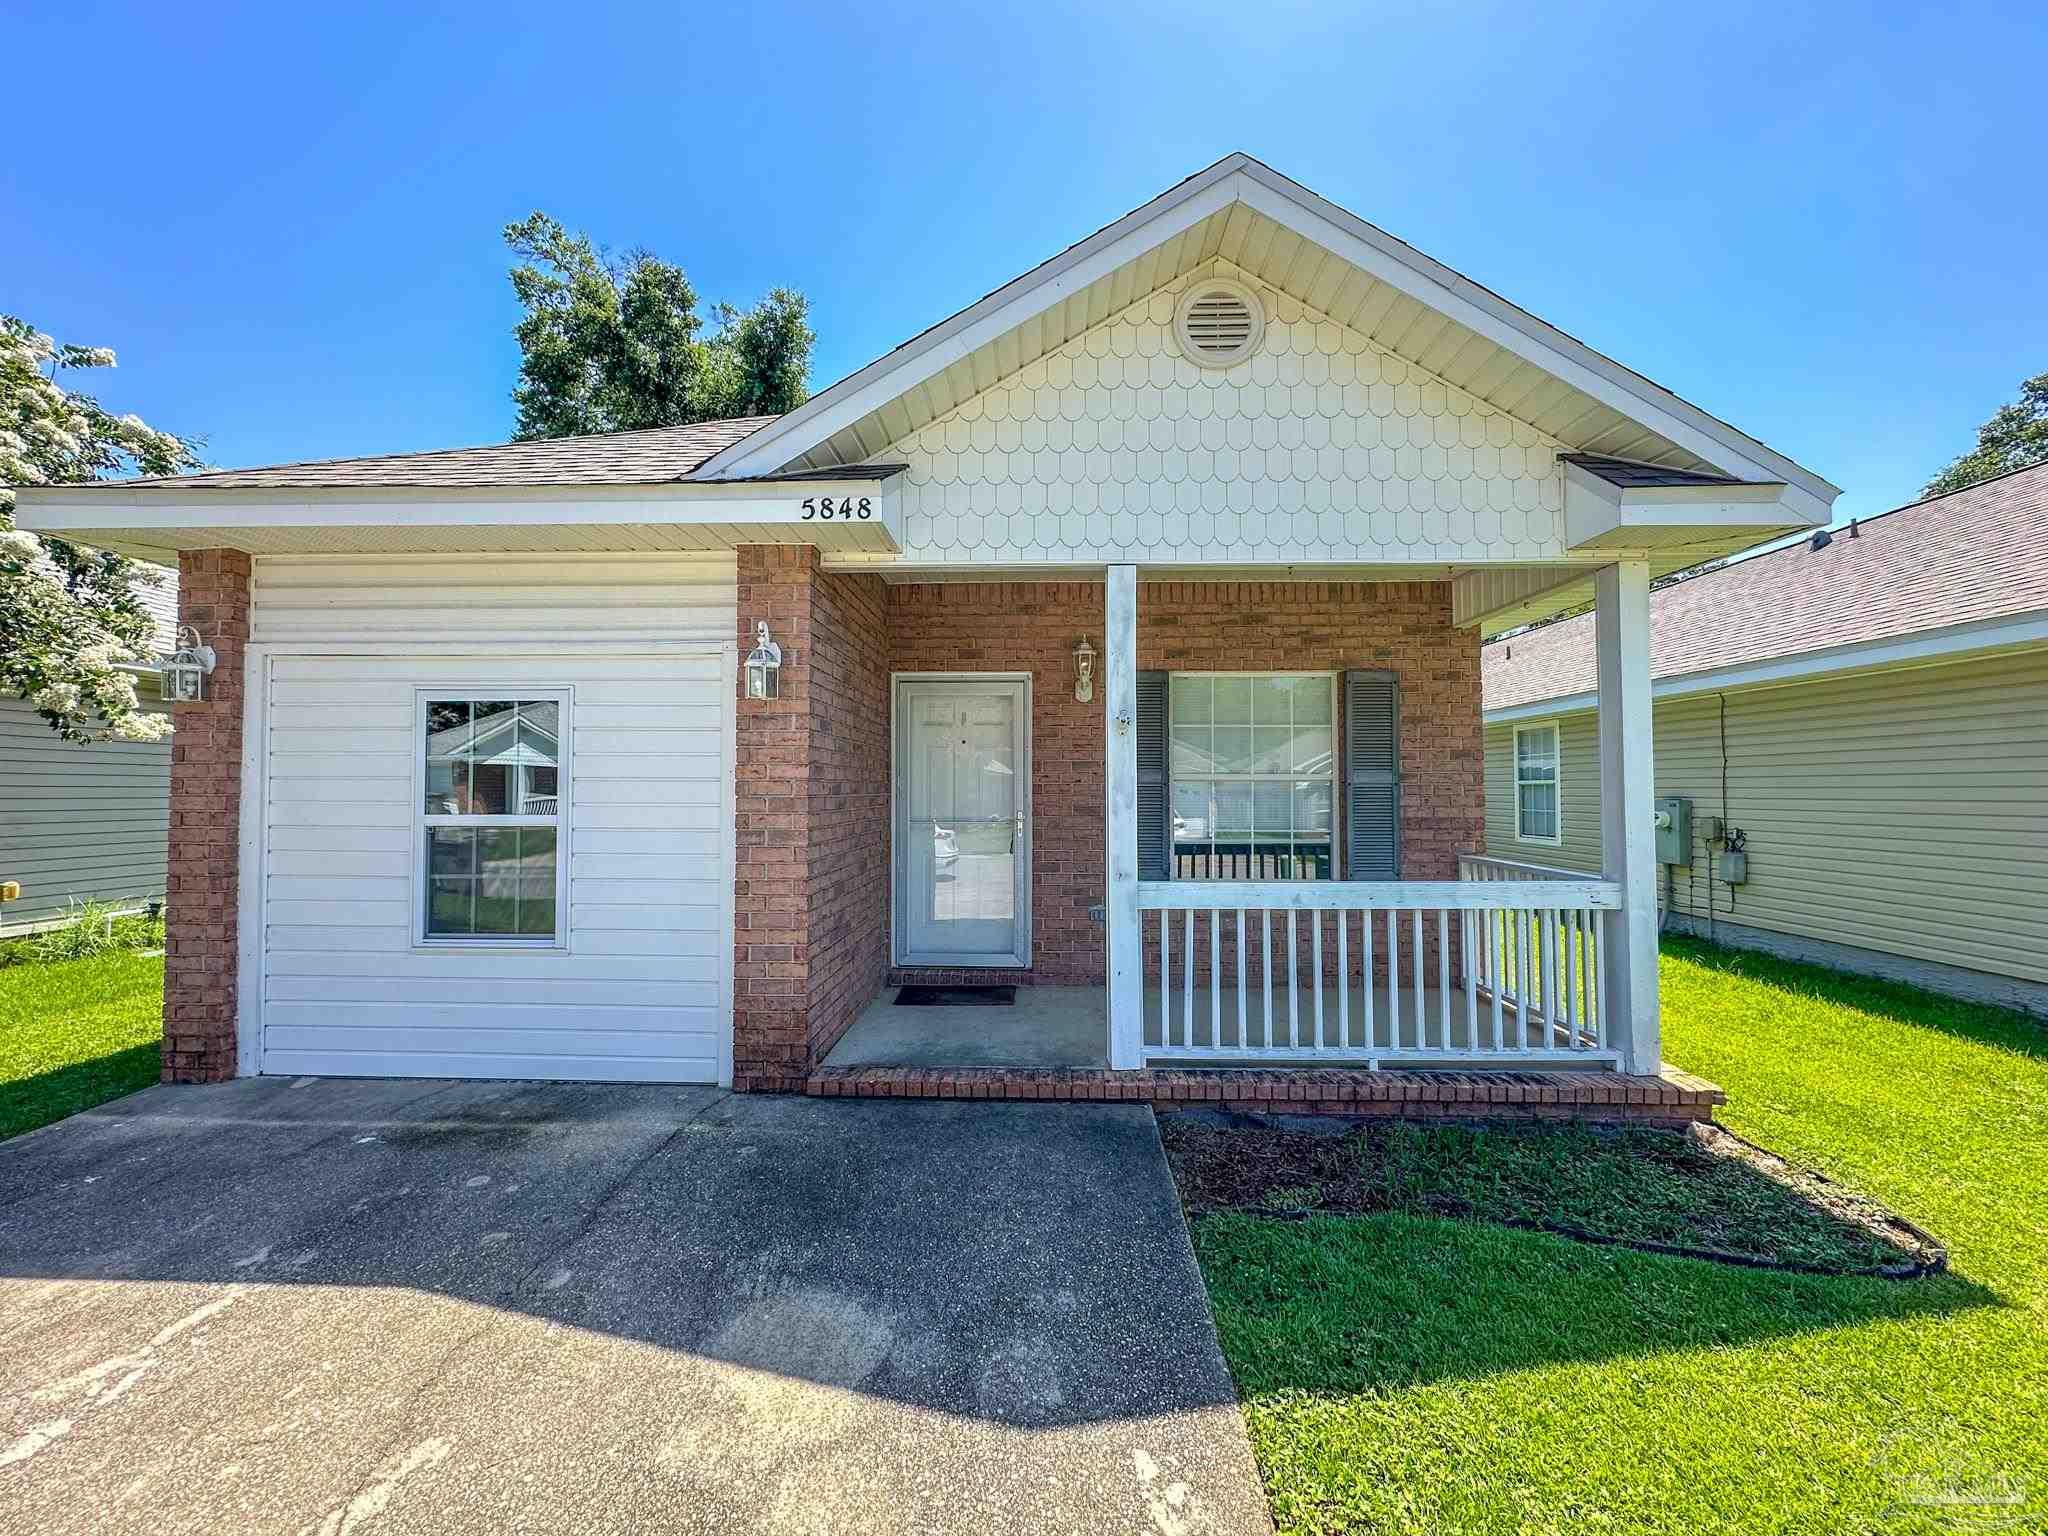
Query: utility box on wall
x=1674, y=829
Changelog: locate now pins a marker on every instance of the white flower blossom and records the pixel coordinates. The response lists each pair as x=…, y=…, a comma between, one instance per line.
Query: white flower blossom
x=57, y=698
x=142, y=727
x=20, y=542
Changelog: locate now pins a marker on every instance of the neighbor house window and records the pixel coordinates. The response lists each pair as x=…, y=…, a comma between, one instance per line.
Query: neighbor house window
x=490, y=826
x=1536, y=783
x=1253, y=769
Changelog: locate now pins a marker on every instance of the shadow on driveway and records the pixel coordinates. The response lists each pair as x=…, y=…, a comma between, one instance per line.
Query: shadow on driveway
x=269, y=1304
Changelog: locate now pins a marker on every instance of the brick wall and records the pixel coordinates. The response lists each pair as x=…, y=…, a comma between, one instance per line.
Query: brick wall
x=1029, y=627
x=206, y=802
x=847, y=673
x=810, y=896
x=1317, y=626
x=1200, y=627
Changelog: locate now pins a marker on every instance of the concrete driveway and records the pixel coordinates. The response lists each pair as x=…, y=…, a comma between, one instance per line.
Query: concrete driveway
x=342, y=1306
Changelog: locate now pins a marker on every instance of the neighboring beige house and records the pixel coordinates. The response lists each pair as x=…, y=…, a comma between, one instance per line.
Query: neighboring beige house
x=84, y=822
x=1869, y=709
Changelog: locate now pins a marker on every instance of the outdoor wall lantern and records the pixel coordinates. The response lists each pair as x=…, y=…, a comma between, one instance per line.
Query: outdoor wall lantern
x=764, y=661
x=1084, y=672
x=185, y=669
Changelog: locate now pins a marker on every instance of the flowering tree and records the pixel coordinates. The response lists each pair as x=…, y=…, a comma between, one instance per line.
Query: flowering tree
x=69, y=616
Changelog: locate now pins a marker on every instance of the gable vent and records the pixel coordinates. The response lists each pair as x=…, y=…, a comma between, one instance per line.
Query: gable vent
x=1218, y=323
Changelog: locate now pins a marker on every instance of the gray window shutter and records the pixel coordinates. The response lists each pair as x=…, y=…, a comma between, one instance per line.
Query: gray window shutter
x=1372, y=776
x=1155, y=793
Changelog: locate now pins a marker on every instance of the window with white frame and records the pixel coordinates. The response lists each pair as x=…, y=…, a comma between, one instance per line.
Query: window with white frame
x=1253, y=768
x=490, y=826
x=1536, y=783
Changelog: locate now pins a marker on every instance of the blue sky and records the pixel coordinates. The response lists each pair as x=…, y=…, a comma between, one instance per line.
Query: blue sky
x=1824, y=223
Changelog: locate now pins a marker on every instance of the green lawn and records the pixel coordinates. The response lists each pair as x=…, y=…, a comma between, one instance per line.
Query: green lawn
x=75, y=1033
x=1416, y=1373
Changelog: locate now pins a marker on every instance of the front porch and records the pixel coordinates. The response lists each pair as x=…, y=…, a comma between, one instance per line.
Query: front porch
x=1314, y=744
x=1242, y=1017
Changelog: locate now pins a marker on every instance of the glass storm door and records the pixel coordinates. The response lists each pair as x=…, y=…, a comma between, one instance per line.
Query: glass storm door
x=963, y=822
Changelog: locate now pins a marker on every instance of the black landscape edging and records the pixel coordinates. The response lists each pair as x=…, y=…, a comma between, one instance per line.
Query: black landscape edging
x=1914, y=1271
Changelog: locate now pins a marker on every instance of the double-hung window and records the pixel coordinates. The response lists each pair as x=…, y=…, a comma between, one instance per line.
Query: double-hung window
x=1253, y=764
x=490, y=859
x=1536, y=783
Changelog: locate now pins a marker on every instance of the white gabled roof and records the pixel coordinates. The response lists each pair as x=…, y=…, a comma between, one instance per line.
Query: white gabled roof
x=1245, y=213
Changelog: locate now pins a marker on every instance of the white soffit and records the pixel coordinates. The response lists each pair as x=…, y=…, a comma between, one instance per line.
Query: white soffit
x=1245, y=214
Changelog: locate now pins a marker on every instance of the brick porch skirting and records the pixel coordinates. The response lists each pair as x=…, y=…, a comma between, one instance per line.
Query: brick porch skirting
x=1670, y=1099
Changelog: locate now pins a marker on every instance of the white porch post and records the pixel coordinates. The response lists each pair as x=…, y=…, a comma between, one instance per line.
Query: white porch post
x=1120, y=817
x=1628, y=938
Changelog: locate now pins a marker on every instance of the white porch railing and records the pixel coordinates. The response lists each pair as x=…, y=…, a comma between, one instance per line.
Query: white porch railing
x=1545, y=969
x=1362, y=972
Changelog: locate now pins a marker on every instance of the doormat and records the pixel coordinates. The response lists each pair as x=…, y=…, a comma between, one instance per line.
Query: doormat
x=956, y=997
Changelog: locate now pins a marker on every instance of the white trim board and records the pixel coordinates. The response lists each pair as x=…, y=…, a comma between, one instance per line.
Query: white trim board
x=111, y=517
x=1934, y=647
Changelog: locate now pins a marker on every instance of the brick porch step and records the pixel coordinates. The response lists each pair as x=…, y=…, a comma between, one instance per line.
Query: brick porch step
x=1671, y=1098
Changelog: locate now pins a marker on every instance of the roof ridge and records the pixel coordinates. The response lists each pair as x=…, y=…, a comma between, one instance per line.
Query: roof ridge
x=1974, y=485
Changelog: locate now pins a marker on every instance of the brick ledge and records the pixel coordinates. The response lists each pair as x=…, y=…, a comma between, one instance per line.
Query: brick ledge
x=1670, y=1098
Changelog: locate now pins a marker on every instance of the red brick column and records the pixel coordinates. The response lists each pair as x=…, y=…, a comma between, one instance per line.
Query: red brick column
x=771, y=876
x=206, y=816
x=810, y=887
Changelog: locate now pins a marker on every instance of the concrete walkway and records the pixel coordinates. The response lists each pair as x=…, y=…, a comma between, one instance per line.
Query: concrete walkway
x=409, y=1306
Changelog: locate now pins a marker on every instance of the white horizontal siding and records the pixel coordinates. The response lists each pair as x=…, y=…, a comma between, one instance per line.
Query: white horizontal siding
x=1902, y=810
x=78, y=822
x=495, y=599
x=642, y=989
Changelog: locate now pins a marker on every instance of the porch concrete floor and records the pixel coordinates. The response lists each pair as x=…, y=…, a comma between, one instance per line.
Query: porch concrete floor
x=1047, y=1027
x=1052, y=1027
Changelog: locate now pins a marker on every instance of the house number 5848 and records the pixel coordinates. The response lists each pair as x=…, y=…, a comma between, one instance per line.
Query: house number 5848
x=829, y=508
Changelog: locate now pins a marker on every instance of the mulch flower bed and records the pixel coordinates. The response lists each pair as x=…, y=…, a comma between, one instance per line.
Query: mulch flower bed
x=1704, y=1193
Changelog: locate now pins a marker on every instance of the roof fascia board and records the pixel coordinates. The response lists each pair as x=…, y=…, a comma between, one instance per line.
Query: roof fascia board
x=683, y=503
x=937, y=349
x=1955, y=643
x=1431, y=283
x=116, y=495
x=1597, y=509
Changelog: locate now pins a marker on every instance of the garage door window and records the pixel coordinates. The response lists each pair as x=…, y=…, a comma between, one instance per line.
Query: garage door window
x=492, y=784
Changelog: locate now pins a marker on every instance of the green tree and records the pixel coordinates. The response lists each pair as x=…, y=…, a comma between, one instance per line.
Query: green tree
x=609, y=345
x=69, y=616
x=2014, y=437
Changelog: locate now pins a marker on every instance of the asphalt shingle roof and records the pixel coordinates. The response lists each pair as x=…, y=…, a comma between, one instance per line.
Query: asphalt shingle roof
x=608, y=458
x=1974, y=554
x=1628, y=474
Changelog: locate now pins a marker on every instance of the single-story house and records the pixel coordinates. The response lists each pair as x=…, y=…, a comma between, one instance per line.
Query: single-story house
x=1858, y=726
x=1116, y=639
x=85, y=822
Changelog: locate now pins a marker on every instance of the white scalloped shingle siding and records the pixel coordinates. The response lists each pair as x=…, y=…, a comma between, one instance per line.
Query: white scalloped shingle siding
x=1321, y=446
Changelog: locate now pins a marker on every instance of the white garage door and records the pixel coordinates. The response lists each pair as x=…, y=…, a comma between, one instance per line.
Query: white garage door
x=502, y=867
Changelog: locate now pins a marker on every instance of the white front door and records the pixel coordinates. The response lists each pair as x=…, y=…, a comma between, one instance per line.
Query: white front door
x=963, y=821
